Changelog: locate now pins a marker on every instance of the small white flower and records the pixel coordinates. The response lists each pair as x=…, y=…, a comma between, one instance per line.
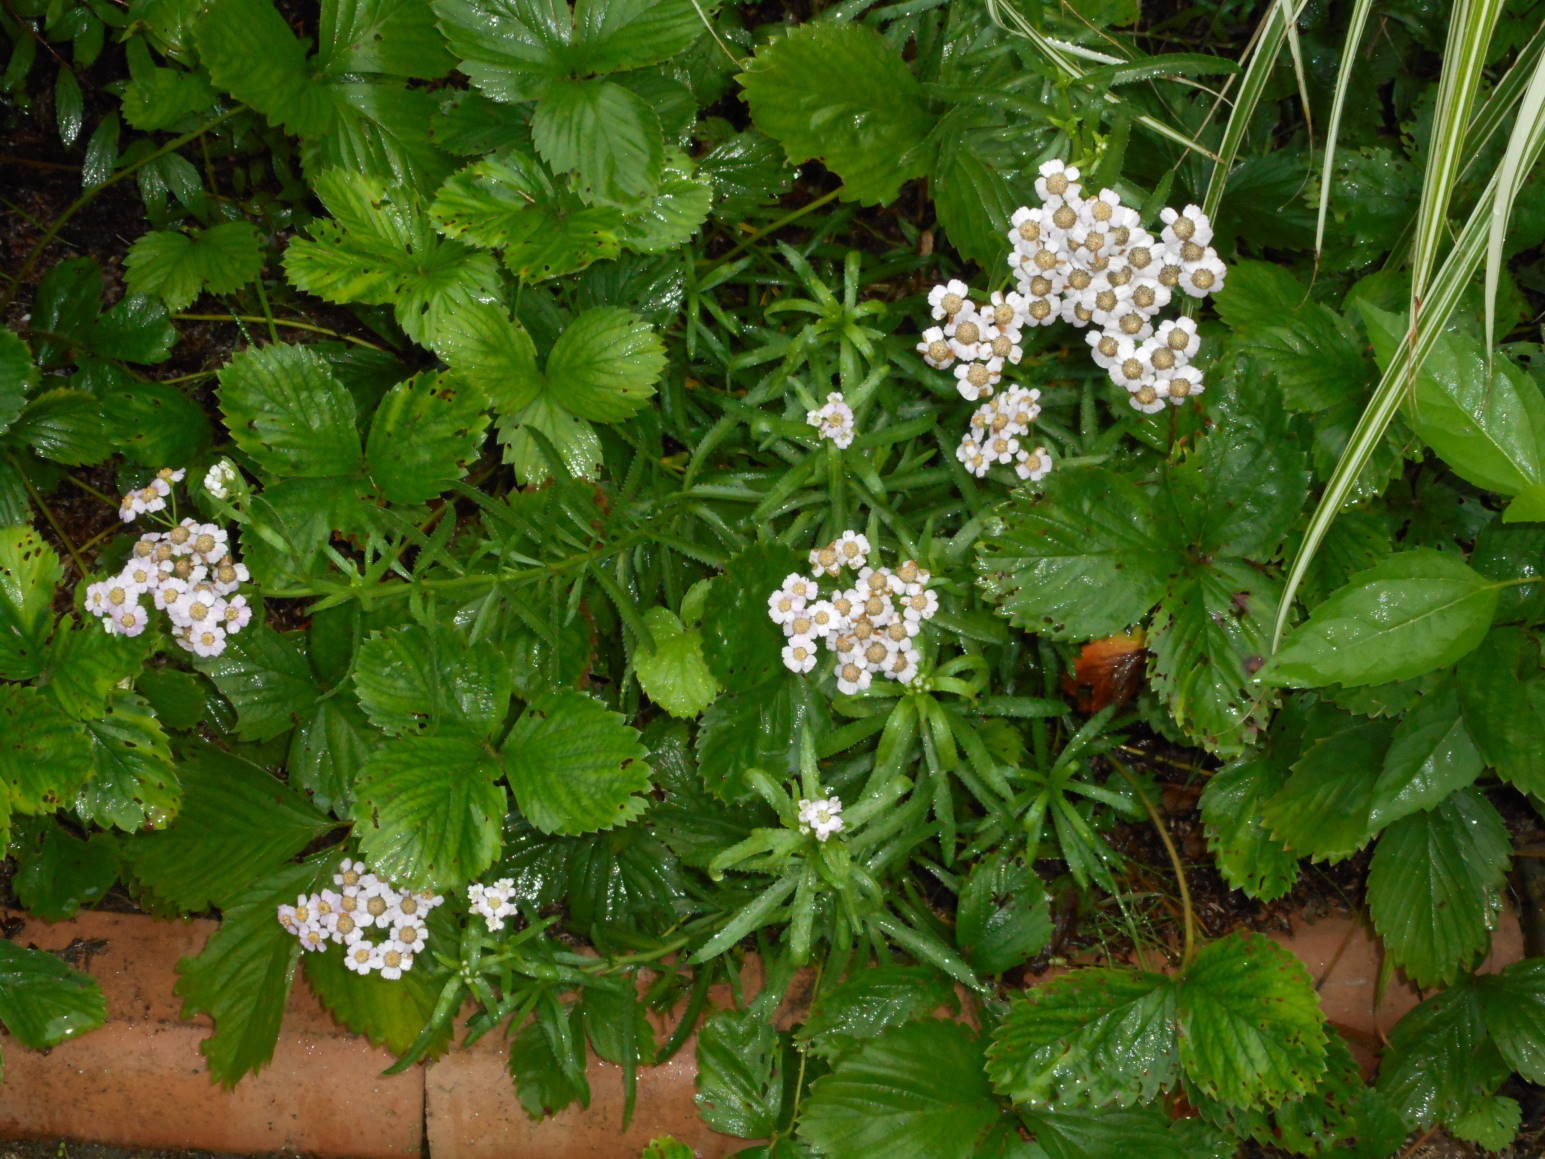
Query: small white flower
x=782, y=607
x=965, y=333
x=853, y=549
x=1148, y=399
x=126, y=621
x=221, y=479
x=236, y=614
x=833, y=421
x=1033, y=465
x=362, y=957
x=1185, y=225
x=1128, y=370
x=1180, y=336
x=935, y=349
x=395, y=962
x=972, y=457
x=206, y=640
x=820, y=817
x=852, y=677
x=799, y=654
x=1203, y=278
x=825, y=560
x=1057, y=180
x=920, y=606
x=976, y=380
x=902, y=667
x=1184, y=383
x=948, y=300
x=493, y=902
x=409, y=935
x=825, y=620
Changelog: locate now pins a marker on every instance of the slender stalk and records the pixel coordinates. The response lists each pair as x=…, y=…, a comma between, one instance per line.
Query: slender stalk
x=1188, y=913
x=48, y=513
x=787, y=219
x=260, y=320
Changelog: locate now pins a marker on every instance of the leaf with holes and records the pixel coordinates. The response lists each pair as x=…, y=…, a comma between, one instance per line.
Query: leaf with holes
x=424, y=433
x=29, y=573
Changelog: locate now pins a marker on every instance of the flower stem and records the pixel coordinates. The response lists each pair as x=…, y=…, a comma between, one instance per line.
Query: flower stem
x=1188, y=914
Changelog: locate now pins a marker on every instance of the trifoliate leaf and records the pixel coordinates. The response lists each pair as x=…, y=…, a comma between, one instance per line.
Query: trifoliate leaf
x=266, y=678
x=43, y=1002
x=285, y=408
x=1318, y=358
x=238, y=823
x=242, y=976
x=840, y=92
x=1210, y=634
x=17, y=377
x=380, y=249
x=1078, y=1133
x=1413, y=612
x=869, y=1003
x=574, y=766
x=1003, y=917
x=740, y=641
x=391, y=37
x=412, y=679
x=492, y=351
x=85, y=663
x=159, y=98
x=673, y=673
x=29, y=573
x=57, y=873
x=423, y=434
x=1430, y=756
x=1324, y=810
x=1432, y=886
x=1513, y=1003
x=1083, y=560
x=547, y=1059
x=133, y=785
x=739, y=1079
x=176, y=267
x=1092, y=1036
x=605, y=364
x=1247, y=856
x=1503, y=698
x=427, y=810
x=378, y=128
x=602, y=132
x=1440, y=1062
x=1251, y=1029
x=44, y=755
x=326, y=753
x=915, y=1092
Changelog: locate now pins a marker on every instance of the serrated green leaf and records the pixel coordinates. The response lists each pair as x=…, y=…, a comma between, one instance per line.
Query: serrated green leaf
x=605, y=364
x=1247, y=856
x=492, y=351
x=285, y=408
x=605, y=134
x=841, y=93
x=327, y=751
x=747, y=171
x=134, y=329
x=1085, y=558
x=43, y=1002
x=574, y=766
x=1324, y=809
x=29, y=573
x=915, y=1092
x=412, y=679
x=673, y=673
x=133, y=785
x=85, y=663
x=237, y=824
x=739, y=1088
x=57, y=872
x=391, y=37
x=1430, y=756
x=1209, y=636
x=66, y=426
x=571, y=438
x=1258, y=295
x=1492, y=1122
x=1513, y=1004
x=251, y=54
x=869, y=1003
x=1251, y=1029
x=379, y=128
x=1316, y=356
x=427, y=810
x=755, y=729
x=974, y=198
x=1091, y=1036
x=242, y=976
x=674, y=213
x=44, y=755
x=69, y=105
x=1003, y=917
x=266, y=678
x=740, y=641
x=1413, y=612
x=1503, y=698
x=1076, y=1133
x=547, y=1060
x=159, y=98
x=17, y=377
x=422, y=436
x=381, y=249
x=155, y=424
x=1432, y=886
x=1440, y=1063
x=176, y=267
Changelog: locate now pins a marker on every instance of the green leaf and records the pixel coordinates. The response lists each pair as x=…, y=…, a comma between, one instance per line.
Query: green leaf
x=574, y=766
x=571, y=439
x=870, y=1002
x=266, y=678
x=159, y=98
x=133, y=785
x=673, y=673
x=1095, y=1035
x=242, y=977
x=1251, y=1030
x=488, y=349
x=44, y=755
x=1247, y=856
x=412, y=679
x=1432, y=886
x=604, y=133
x=66, y=426
x=43, y=1002
x=381, y=249
x=1430, y=756
x=1209, y=636
x=1513, y=1003
x=973, y=198
x=1084, y=559
x=135, y=329
x=1324, y=809
x=915, y=1092
x=391, y=37
x=1503, y=697
x=390, y=1012
x=423, y=434
x=1484, y=416
x=251, y=54
x=237, y=824
x=1003, y=917
x=755, y=729
x=176, y=267
x=327, y=751
x=1528, y=506
x=1318, y=358
x=427, y=810
x=1080, y=1134
x=17, y=377
x=155, y=424
x=1492, y=1123
x=1409, y=614
x=379, y=128
x=285, y=408
x=29, y=573
x=739, y=1087
x=547, y=1060
x=1440, y=1063
x=57, y=873
x=1258, y=295
x=839, y=92
x=69, y=105
x=673, y=214
x=740, y=642
x=605, y=364
x=85, y=663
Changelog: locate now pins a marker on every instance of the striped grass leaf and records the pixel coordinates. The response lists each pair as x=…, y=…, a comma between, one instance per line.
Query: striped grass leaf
x=1338, y=104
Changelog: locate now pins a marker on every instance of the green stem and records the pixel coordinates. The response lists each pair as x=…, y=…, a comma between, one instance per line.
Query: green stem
x=787, y=219
x=48, y=513
x=1188, y=913
x=91, y=194
x=259, y=319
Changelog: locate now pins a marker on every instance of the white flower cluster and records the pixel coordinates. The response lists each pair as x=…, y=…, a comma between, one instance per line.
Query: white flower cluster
x=363, y=905
x=833, y=421
x=222, y=479
x=996, y=428
x=191, y=575
x=151, y=497
x=869, y=626
x=1089, y=262
x=493, y=902
x=823, y=818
